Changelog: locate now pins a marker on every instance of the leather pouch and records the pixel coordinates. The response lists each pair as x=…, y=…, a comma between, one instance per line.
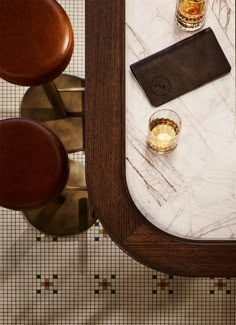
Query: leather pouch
x=181, y=67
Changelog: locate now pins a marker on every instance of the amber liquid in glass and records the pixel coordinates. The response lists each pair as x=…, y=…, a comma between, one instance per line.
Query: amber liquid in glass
x=190, y=14
x=163, y=135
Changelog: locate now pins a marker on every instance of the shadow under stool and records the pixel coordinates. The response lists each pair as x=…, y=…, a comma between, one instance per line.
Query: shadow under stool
x=37, y=43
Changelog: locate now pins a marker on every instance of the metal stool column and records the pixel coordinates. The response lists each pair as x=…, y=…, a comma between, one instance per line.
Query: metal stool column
x=59, y=106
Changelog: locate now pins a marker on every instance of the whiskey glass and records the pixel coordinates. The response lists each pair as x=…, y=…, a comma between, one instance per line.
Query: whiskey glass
x=163, y=131
x=190, y=14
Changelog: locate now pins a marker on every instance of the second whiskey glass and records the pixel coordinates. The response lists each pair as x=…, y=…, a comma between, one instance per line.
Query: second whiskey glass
x=190, y=14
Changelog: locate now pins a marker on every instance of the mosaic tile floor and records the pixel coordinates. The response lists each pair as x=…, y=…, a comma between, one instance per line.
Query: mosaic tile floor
x=87, y=279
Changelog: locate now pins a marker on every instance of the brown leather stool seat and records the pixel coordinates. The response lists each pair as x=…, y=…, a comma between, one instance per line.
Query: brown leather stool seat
x=36, y=41
x=34, y=165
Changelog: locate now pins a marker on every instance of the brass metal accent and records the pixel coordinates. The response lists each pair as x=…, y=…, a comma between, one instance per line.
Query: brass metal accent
x=68, y=214
x=79, y=89
x=55, y=99
x=66, y=120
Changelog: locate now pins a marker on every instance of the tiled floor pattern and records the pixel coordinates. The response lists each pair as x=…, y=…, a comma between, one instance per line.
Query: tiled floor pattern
x=87, y=279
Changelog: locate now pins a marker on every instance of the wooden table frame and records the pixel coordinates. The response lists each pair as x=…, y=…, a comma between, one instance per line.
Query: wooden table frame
x=105, y=159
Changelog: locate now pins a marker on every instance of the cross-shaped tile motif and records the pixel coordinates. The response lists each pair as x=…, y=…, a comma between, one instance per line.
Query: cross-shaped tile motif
x=104, y=284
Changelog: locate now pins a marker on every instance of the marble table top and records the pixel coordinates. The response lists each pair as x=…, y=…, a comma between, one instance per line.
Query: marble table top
x=190, y=192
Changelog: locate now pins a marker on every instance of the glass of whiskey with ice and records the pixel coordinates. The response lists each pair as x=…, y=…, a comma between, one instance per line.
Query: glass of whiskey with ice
x=190, y=14
x=163, y=131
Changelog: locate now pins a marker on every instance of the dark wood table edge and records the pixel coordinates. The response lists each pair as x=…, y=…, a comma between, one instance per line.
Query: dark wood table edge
x=105, y=159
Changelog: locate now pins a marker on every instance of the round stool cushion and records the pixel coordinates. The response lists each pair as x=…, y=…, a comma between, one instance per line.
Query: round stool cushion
x=36, y=41
x=34, y=166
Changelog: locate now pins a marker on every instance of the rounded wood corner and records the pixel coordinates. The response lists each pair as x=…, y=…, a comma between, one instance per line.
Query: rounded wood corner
x=105, y=159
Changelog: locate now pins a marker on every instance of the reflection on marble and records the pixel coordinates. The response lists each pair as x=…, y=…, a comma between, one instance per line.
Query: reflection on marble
x=190, y=192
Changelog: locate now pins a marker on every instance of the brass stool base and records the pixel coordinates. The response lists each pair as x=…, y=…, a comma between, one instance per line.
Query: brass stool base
x=68, y=214
x=36, y=106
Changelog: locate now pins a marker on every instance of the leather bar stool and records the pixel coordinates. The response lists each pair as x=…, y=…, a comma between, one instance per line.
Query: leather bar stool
x=37, y=42
x=37, y=177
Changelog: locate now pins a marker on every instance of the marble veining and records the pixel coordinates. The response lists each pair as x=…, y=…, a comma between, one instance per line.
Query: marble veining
x=190, y=192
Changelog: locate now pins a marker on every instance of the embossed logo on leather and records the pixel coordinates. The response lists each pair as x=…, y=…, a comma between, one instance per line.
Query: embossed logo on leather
x=160, y=86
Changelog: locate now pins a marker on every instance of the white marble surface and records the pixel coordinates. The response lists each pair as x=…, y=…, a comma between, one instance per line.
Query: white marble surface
x=190, y=192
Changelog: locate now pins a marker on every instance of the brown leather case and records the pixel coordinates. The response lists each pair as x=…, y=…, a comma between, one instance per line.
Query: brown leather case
x=181, y=67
